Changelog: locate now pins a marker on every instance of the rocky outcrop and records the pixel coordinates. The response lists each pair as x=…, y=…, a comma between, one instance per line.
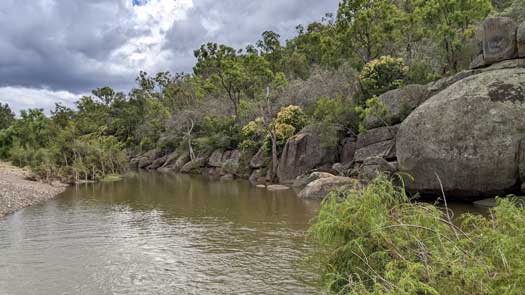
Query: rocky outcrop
x=304, y=152
x=399, y=104
x=144, y=160
x=502, y=40
x=379, y=142
x=521, y=40
x=320, y=188
x=499, y=39
x=373, y=167
x=196, y=166
x=468, y=135
x=348, y=148
x=521, y=160
x=258, y=160
x=157, y=163
x=216, y=159
x=304, y=180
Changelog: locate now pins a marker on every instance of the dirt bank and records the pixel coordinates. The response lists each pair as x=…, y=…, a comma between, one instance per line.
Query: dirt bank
x=17, y=192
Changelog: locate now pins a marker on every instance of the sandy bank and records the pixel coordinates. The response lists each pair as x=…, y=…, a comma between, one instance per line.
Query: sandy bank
x=17, y=192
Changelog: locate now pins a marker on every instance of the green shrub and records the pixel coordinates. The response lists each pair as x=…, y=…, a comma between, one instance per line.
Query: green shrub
x=292, y=115
x=377, y=241
x=373, y=108
x=382, y=74
x=222, y=132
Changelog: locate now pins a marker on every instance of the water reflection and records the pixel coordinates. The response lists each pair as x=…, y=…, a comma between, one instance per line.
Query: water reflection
x=160, y=234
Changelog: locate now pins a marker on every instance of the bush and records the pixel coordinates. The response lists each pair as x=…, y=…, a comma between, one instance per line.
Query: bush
x=383, y=74
x=222, y=132
x=376, y=241
x=292, y=115
x=374, y=107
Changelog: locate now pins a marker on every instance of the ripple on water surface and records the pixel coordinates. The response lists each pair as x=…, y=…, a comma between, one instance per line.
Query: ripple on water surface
x=160, y=234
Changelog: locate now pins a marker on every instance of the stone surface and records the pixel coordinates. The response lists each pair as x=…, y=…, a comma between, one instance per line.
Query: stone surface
x=499, y=39
x=469, y=135
x=349, y=146
x=304, y=180
x=377, y=135
x=277, y=187
x=258, y=160
x=215, y=159
x=171, y=159
x=372, y=167
x=258, y=176
x=383, y=149
x=158, y=163
x=320, y=188
x=478, y=62
x=399, y=103
x=439, y=85
x=195, y=166
x=147, y=159
x=521, y=40
x=231, y=162
x=302, y=153
x=521, y=159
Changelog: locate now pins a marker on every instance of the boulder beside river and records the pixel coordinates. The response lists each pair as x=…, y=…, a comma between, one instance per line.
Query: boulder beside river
x=467, y=137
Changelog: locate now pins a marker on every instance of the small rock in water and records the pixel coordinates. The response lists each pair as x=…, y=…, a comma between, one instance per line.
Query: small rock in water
x=488, y=203
x=277, y=187
x=261, y=186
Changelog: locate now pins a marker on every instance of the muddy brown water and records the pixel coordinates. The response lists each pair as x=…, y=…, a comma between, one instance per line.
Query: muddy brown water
x=162, y=234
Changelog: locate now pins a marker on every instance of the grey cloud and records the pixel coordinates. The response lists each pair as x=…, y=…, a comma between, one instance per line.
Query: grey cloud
x=68, y=45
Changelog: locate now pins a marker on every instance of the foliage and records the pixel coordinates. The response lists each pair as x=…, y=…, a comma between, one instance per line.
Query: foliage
x=451, y=24
x=514, y=9
x=293, y=116
x=368, y=28
x=7, y=117
x=375, y=108
x=383, y=74
x=377, y=241
x=223, y=132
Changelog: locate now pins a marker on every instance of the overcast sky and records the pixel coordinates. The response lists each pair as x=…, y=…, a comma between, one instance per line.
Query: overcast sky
x=56, y=50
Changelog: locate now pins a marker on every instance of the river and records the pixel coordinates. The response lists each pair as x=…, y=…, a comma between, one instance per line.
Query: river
x=160, y=234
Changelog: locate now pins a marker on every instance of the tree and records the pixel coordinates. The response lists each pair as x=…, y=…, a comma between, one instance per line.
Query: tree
x=7, y=117
x=451, y=24
x=369, y=28
x=220, y=66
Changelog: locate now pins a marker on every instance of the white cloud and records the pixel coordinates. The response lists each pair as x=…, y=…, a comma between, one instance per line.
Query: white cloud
x=153, y=19
x=20, y=98
x=79, y=45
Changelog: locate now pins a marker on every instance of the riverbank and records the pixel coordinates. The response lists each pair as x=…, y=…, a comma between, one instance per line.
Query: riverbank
x=17, y=191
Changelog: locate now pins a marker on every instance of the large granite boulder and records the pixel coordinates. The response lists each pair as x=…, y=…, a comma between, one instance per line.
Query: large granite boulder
x=147, y=159
x=215, y=159
x=258, y=160
x=499, y=39
x=521, y=40
x=158, y=163
x=379, y=142
x=468, y=135
x=195, y=166
x=348, y=148
x=304, y=152
x=231, y=162
x=304, y=180
x=320, y=188
x=399, y=104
